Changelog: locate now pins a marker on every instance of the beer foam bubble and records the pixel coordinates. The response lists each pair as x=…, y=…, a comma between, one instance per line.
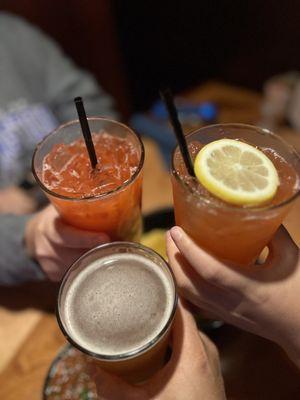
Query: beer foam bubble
x=118, y=304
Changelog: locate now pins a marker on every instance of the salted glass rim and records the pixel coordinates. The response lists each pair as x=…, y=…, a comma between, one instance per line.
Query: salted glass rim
x=227, y=206
x=98, y=196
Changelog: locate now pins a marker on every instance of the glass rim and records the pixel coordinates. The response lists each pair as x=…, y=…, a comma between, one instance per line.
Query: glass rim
x=140, y=350
x=95, y=197
x=227, y=206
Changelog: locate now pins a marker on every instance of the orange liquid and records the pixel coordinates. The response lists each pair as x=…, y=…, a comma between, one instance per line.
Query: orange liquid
x=233, y=234
x=104, y=199
x=140, y=368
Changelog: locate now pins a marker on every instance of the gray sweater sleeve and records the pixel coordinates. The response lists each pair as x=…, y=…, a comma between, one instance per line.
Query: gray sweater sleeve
x=15, y=265
x=50, y=75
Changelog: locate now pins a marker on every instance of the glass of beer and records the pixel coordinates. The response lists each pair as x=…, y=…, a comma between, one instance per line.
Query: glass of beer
x=116, y=304
x=105, y=199
x=234, y=234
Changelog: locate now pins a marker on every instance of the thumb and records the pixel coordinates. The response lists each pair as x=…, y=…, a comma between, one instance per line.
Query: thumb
x=209, y=268
x=282, y=246
x=186, y=339
x=69, y=236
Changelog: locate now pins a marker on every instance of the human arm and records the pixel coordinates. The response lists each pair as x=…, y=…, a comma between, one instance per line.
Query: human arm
x=193, y=371
x=262, y=299
x=40, y=246
x=54, y=244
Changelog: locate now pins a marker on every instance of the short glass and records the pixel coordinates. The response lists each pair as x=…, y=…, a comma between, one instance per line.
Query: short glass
x=116, y=212
x=233, y=234
x=139, y=364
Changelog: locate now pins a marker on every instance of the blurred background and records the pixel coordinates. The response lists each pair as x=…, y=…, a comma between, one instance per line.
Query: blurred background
x=133, y=47
x=225, y=60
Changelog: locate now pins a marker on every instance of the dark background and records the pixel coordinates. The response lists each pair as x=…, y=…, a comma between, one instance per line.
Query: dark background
x=134, y=46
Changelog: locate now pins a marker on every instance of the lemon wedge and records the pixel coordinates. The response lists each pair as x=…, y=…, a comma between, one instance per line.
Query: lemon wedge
x=236, y=172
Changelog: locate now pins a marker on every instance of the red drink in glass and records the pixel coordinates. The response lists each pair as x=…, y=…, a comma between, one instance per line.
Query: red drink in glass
x=106, y=199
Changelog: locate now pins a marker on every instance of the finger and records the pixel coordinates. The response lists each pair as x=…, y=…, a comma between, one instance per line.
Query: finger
x=282, y=247
x=186, y=342
x=282, y=259
x=190, y=284
x=53, y=262
x=62, y=234
x=50, y=211
x=64, y=261
x=189, y=355
x=65, y=235
x=212, y=351
x=186, y=276
x=208, y=267
x=184, y=357
x=223, y=303
x=111, y=387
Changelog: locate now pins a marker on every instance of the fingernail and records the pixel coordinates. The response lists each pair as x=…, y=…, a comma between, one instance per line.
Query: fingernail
x=176, y=233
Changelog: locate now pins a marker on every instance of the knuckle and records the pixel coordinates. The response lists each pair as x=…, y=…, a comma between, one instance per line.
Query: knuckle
x=261, y=298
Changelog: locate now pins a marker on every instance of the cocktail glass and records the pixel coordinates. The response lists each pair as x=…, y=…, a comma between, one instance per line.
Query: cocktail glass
x=235, y=235
x=116, y=212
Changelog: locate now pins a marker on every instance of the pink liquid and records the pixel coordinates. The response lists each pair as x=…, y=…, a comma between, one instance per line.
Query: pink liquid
x=231, y=233
x=67, y=170
x=107, y=199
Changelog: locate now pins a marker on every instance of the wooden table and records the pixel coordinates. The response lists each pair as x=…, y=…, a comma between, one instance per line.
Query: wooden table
x=30, y=338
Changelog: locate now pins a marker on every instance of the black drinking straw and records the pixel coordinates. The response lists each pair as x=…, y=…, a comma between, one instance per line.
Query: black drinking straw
x=167, y=97
x=86, y=131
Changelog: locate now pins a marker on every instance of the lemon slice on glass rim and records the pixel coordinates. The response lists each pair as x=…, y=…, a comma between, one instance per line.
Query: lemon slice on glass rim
x=236, y=172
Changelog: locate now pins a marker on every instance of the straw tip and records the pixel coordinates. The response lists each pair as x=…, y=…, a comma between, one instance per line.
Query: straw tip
x=78, y=99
